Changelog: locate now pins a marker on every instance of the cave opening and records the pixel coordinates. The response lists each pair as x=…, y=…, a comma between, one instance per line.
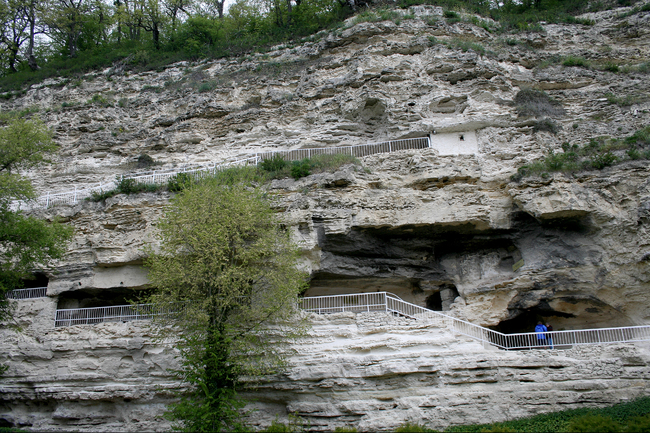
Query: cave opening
x=4, y=423
x=527, y=319
x=39, y=280
x=442, y=298
x=434, y=302
x=91, y=298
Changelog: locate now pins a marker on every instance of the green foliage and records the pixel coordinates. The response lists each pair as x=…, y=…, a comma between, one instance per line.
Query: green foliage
x=611, y=67
x=575, y=61
x=626, y=414
x=497, y=428
x=547, y=125
x=640, y=137
x=597, y=154
x=276, y=163
x=602, y=160
x=466, y=45
x=593, y=424
x=345, y=430
x=295, y=425
x=237, y=282
x=638, y=424
x=145, y=161
x=300, y=168
x=531, y=102
x=625, y=101
x=409, y=427
x=25, y=242
x=179, y=182
x=97, y=196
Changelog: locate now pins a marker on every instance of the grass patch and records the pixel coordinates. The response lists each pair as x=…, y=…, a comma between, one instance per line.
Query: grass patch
x=278, y=168
x=596, y=155
x=624, y=101
x=631, y=416
x=576, y=61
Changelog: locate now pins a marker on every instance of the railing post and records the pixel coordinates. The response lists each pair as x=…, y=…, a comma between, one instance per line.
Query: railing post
x=47, y=200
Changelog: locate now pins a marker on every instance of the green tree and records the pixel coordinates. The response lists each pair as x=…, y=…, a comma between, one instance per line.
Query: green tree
x=25, y=242
x=228, y=267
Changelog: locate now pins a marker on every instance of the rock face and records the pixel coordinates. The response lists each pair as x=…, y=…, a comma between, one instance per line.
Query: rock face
x=372, y=371
x=444, y=227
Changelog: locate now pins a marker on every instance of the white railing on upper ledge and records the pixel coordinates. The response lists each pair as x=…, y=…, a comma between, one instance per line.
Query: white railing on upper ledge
x=162, y=176
x=390, y=303
x=34, y=292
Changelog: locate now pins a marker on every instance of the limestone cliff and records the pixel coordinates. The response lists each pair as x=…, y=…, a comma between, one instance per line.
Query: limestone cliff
x=443, y=227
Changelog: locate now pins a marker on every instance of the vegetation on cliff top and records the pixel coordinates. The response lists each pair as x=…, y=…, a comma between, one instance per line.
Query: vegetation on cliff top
x=62, y=38
x=599, y=153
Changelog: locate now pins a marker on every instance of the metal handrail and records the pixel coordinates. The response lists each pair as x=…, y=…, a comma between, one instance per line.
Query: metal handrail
x=528, y=340
x=390, y=303
x=162, y=176
x=32, y=292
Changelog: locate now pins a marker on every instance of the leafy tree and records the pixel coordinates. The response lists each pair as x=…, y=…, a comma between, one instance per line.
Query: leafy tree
x=25, y=241
x=229, y=270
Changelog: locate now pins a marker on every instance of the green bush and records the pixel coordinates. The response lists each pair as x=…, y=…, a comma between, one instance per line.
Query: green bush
x=345, y=430
x=638, y=424
x=276, y=163
x=594, y=424
x=300, y=168
x=145, y=161
x=531, y=102
x=128, y=186
x=575, y=61
x=602, y=160
x=546, y=125
x=101, y=195
x=179, y=182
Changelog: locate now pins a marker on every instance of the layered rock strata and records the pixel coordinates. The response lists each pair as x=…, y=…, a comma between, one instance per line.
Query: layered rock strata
x=372, y=371
x=444, y=227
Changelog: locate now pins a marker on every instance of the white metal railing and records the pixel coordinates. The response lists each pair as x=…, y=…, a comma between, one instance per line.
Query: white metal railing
x=162, y=176
x=117, y=313
x=388, y=302
x=383, y=301
x=34, y=292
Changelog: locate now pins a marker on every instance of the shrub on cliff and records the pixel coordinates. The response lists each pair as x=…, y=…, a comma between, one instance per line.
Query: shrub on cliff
x=229, y=268
x=531, y=102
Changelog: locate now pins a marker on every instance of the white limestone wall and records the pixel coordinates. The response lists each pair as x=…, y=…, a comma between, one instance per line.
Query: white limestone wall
x=372, y=371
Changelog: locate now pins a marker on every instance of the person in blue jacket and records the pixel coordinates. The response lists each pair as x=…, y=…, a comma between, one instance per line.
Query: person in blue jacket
x=541, y=330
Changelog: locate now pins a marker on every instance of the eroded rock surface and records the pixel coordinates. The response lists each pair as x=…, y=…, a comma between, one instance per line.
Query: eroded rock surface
x=443, y=227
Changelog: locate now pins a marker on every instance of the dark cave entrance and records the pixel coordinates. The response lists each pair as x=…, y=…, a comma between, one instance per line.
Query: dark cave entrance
x=441, y=299
x=39, y=280
x=90, y=298
x=527, y=319
x=434, y=302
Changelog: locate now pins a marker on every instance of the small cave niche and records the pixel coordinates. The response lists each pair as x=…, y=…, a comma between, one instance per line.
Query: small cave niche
x=434, y=302
x=4, y=423
x=91, y=298
x=442, y=297
x=39, y=280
